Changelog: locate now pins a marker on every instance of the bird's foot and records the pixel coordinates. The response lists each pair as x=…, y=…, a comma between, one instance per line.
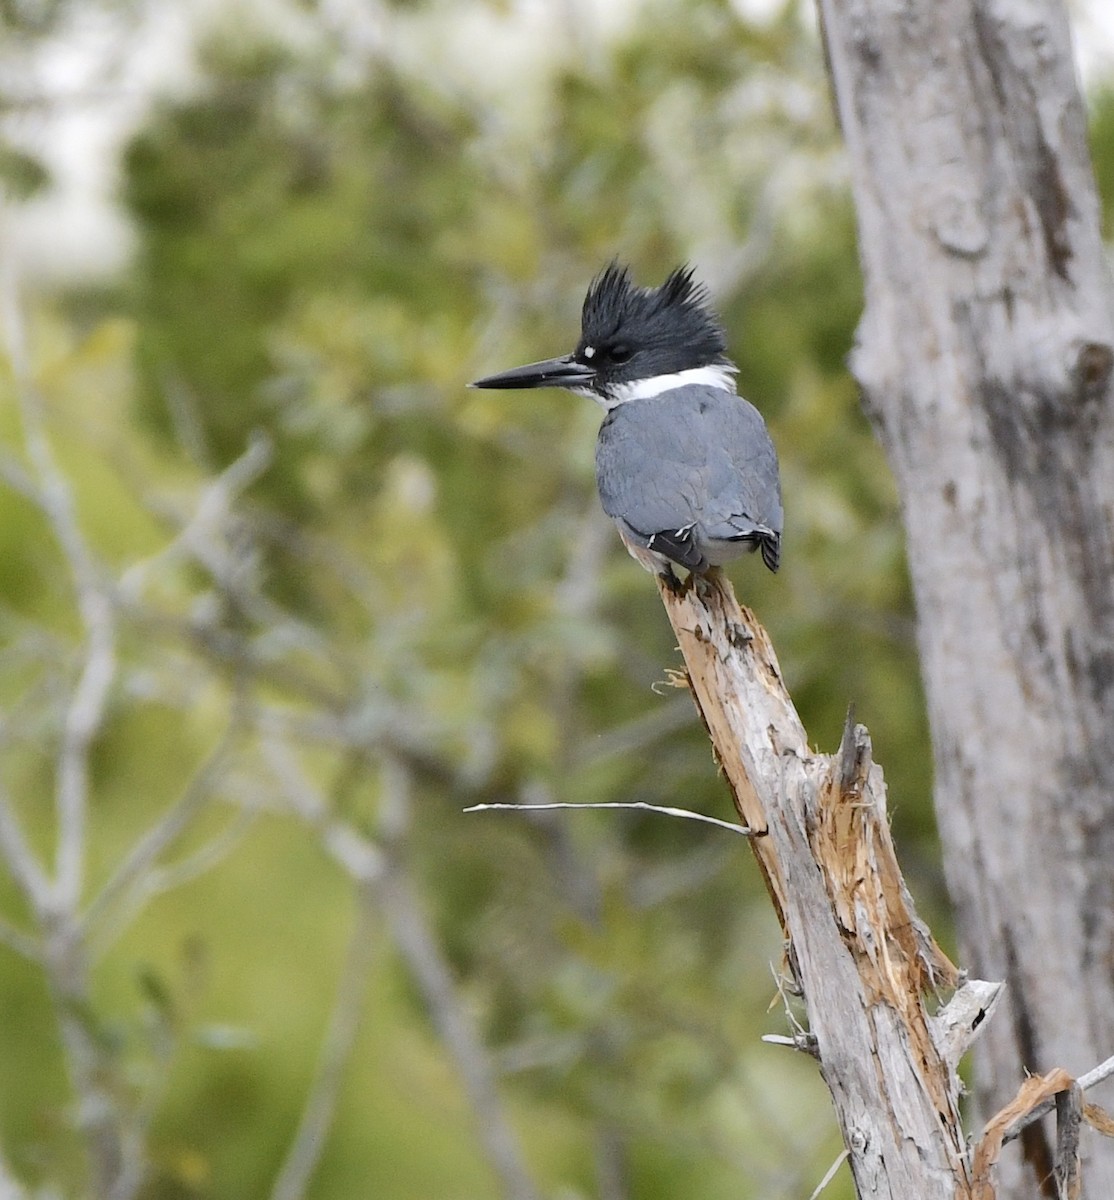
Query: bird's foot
x=707, y=582
x=671, y=582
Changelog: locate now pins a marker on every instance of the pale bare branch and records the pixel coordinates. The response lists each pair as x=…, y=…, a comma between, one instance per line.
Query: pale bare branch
x=206, y=857
x=1086, y=1081
x=417, y=943
x=144, y=855
x=641, y=805
x=356, y=853
x=1097, y=1074
x=829, y=1175
x=418, y=946
x=84, y=719
x=317, y=1116
x=22, y=861
x=85, y=712
x=384, y=870
x=829, y=863
x=158, y=880
x=207, y=526
x=22, y=943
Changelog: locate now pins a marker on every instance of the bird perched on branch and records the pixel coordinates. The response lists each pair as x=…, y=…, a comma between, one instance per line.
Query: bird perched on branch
x=685, y=466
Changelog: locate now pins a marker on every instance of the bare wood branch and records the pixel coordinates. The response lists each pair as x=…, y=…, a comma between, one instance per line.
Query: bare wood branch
x=157, y=880
x=384, y=870
x=22, y=943
x=84, y=719
x=1095, y=1076
x=85, y=712
x=1069, y=1117
x=146, y=852
x=207, y=856
x=964, y=1018
x=1034, y=1091
x=207, y=526
x=418, y=946
x=356, y=853
x=22, y=861
x=862, y=957
x=113, y=1155
x=417, y=943
x=317, y=1116
x=829, y=1175
x=641, y=805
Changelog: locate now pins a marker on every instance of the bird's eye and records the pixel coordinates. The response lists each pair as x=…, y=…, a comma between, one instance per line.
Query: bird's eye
x=619, y=353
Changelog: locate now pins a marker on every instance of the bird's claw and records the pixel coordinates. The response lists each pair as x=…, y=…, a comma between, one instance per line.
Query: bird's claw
x=671, y=582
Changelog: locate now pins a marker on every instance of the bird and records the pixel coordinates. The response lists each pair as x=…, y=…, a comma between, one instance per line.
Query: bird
x=685, y=466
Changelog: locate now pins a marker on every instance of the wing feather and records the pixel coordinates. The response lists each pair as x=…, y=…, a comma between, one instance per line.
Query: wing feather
x=690, y=468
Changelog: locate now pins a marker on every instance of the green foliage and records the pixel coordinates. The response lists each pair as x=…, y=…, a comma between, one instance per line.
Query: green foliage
x=21, y=175
x=1102, y=151
x=286, y=268
x=420, y=579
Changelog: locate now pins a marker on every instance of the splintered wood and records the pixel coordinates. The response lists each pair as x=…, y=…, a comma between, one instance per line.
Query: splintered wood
x=1034, y=1092
x=864, y=960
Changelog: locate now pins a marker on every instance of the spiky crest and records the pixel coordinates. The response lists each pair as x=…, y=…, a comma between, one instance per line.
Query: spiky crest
x=675, y=318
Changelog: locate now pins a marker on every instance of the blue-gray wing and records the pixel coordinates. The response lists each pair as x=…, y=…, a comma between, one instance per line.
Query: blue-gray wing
x=692, y=471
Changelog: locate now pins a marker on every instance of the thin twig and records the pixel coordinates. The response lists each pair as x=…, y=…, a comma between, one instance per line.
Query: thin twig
x=418, y=946
x=641, y=805
x=829, y=1175
x=336, y=1049
x=204, y=858
x=102, y=1124
x=417, y=943
x=1097, y=1074
x=208, y=524
x=356, y=853
x=1094, y=1076
x=384, y=872
x=22, y=943
x=21, y=860
x=159, y=880
x=143, y=856
x=84, y=719
x=635, y=735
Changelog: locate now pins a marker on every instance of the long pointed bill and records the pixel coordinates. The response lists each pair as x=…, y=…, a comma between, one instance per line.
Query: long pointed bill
x=553, y=372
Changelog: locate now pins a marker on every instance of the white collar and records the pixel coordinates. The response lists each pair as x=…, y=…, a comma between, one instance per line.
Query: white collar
x=717, y=375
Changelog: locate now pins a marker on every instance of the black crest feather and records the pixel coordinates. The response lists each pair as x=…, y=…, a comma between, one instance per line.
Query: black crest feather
x=675, y=316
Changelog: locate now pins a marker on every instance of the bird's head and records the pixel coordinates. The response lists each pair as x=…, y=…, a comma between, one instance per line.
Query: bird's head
x=631, y=340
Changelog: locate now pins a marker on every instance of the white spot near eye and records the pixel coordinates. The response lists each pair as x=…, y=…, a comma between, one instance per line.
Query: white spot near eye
x=589, y=352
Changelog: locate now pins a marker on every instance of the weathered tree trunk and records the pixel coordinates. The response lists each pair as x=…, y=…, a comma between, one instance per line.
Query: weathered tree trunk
x=856, y=949
x=985, y=359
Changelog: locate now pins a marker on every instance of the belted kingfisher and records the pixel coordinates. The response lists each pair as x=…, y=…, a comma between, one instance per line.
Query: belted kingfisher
x=684, y=465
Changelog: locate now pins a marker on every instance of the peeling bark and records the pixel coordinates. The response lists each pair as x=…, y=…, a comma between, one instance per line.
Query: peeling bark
x=863, y=960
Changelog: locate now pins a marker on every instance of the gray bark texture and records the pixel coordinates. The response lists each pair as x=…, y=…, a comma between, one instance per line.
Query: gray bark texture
x=984, y=356
x=856, y=951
